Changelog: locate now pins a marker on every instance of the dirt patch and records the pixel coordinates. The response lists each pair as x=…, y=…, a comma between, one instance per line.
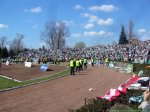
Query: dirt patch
x=61, y=94
x=22, y=73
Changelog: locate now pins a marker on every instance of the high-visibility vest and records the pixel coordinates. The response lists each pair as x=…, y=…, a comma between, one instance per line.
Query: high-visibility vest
x=77, y=63
x=71, y=63
x=92, y=60
x=74, y=61
x=80, y=62
x=106, y=60
x=85, y=60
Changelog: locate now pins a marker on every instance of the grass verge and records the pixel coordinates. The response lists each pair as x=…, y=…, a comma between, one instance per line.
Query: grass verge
x=7, y=83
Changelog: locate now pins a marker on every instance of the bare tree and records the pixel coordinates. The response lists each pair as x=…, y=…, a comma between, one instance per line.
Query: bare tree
x=114, y=43
x=62, y=32
x=3, y=41
x=17, y=44
x=131, y=34
x=80, y=45
x=54, y=34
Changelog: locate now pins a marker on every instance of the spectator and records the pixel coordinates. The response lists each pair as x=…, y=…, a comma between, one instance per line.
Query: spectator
x=145, y=105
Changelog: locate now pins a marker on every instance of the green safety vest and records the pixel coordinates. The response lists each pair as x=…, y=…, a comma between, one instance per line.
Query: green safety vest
x=85, y=60
x=81, y=62
x=106, y=60
x=71, y=63
x=77, y=63
x=92, y=60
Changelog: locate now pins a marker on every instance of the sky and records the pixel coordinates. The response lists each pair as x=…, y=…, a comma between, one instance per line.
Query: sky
x=93, y=22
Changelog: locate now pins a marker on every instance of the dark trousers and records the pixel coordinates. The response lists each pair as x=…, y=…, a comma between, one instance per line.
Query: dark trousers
x=81, y=67
x=72, y=71
x=78, y=69
x=92, y=64
x=85, y=66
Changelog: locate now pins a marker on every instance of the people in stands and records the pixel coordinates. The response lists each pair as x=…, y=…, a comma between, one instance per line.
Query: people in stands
x=131, y=52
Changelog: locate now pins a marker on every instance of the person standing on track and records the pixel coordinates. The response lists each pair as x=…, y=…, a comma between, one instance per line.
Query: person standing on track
x=106, y=62
x=81, y=64
x=92, y=61
x=72, y=66
x=85, y=63
x=78, y=65
x=74, y=62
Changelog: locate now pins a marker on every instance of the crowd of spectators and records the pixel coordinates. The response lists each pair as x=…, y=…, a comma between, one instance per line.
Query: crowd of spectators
x=137, y=52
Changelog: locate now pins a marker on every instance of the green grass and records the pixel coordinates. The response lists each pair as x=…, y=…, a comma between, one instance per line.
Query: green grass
x=64, y=73
x=138, y=67
x=7, y=83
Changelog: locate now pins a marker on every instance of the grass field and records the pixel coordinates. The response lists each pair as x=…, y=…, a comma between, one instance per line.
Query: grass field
x=8, y=83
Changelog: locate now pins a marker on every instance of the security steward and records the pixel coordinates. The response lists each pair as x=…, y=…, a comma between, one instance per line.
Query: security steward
x=78, y=65
x=92, y=60
x=81, y=64
x=85, y=63
x=106, y=62
x=72, y=67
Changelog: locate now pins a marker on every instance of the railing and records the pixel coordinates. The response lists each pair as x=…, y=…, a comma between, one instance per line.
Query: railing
x=122, y=66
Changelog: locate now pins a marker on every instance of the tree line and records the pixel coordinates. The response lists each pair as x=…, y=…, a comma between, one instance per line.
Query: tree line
x=15, y=46
x=53, y=36
x=127, y=34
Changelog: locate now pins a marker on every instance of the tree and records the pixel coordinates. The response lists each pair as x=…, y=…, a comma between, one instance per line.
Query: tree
x=54, y=34
x=0, y=53
x=3, y=41
x=43, y=47
x=11, y=53
x=114, y=43
x=0, y=57
x=80, y=45
x=17, y=44
x=131, y=30
x=123, y=37
x=4, y=52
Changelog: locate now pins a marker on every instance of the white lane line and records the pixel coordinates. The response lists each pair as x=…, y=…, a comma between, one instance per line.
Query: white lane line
x=10, y=78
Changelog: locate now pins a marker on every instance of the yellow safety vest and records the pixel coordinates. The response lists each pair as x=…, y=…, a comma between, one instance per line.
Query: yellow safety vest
x=81, y=62
x=85, y=60
x=106, y=60
x=77, y=63
x=92, y=60
x=71, y=63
